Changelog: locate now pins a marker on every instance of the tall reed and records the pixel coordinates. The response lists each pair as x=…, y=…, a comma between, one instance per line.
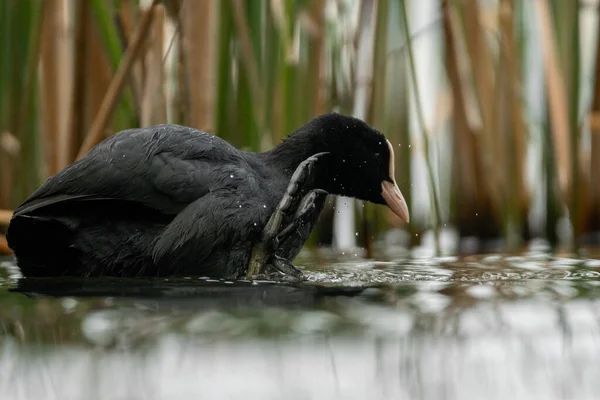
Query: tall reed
x=252, y=71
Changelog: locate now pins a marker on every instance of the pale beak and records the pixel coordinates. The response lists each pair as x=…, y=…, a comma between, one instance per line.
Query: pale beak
x=391, y=193
x=394, y=199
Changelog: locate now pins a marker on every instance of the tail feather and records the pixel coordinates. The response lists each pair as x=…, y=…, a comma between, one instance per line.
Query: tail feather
x=41, y=245
x=91, y=240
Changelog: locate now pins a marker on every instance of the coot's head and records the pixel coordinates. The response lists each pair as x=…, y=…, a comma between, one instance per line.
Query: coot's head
x=360, y=163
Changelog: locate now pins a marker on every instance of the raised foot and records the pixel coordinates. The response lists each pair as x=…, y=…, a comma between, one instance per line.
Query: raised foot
x=298, y=199
x=297, y=189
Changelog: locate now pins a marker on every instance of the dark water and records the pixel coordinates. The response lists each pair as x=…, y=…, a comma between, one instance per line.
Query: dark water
x=486, y=327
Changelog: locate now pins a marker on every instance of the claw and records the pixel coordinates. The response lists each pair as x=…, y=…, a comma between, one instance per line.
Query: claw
x=275, y=243
x=308, y=202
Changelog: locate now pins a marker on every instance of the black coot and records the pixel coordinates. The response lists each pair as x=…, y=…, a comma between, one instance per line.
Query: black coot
x=172, y=200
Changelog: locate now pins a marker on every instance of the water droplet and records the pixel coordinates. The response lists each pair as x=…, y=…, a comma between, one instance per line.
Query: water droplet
x=355, y=255
x=240, y=206
x=409, y=145
x=231, y=176
x=416, y=234
x=255, y=224
x=343, y=253
x=343, y=160
x=356, y=234
x=264, y=206
x=476, y=214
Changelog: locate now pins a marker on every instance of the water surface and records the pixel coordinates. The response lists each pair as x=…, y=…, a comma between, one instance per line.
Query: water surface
x=485, y=327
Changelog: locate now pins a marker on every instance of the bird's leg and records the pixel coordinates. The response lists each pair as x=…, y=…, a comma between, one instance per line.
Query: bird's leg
x=295, y=200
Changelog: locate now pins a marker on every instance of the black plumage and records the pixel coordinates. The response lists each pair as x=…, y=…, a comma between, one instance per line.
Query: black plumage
x=172, y=200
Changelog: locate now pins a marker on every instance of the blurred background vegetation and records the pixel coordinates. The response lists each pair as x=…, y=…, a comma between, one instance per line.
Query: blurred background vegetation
x=493, y=104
